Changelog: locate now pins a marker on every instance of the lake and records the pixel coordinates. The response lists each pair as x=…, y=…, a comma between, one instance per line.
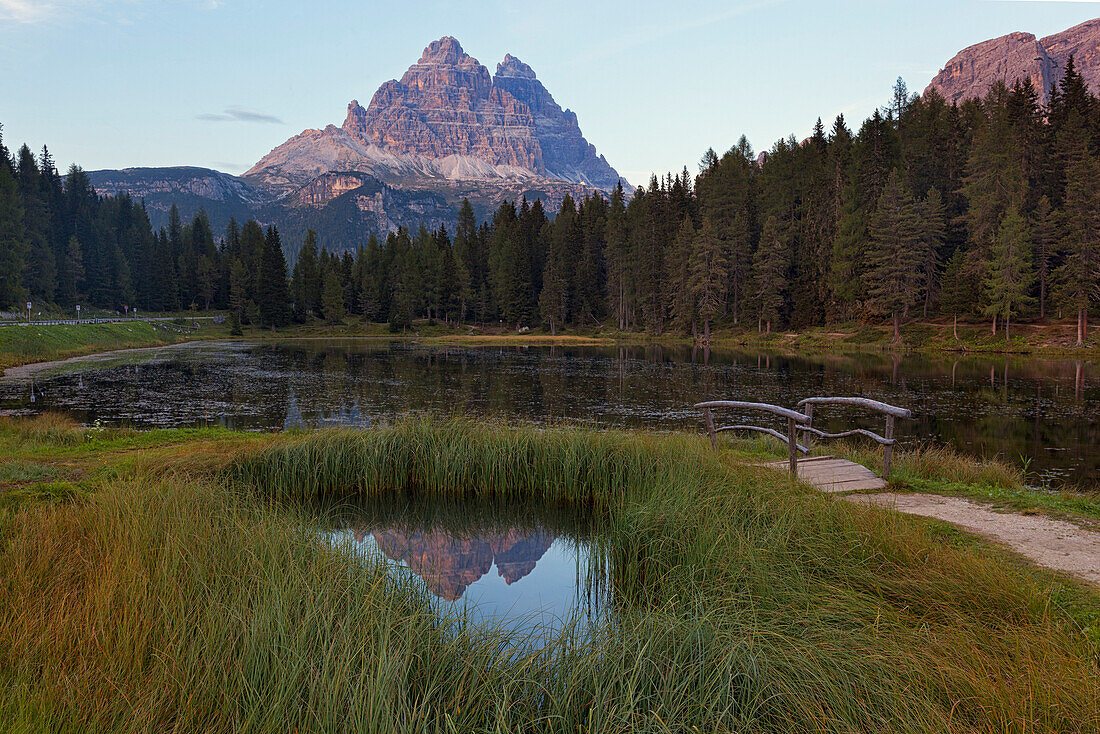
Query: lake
x=1040, y=413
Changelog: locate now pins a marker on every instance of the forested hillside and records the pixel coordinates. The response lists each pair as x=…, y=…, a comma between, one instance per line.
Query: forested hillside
x=989, y=209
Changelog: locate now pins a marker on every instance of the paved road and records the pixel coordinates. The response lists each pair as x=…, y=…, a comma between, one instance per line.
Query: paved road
x=117, y=320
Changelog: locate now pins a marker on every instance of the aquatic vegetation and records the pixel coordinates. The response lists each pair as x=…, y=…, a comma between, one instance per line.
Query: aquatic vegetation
x=201, y=600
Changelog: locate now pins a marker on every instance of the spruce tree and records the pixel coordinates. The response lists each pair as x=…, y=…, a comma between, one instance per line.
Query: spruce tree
x=894, y=277
x=933, y=223
x=332, y=298
x=769, y=275
x=1044, y=235
x=13, y=244
x=1079, y=275
x=682, y=301
x=273, y=296
x=709, y=274
x=1009, y=277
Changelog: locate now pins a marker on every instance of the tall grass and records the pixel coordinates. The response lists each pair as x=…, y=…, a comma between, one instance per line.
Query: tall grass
x=743, y=604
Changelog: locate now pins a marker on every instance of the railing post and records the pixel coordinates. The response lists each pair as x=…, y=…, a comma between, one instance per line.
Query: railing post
x=710, y=428
x=809, y=411
x=792, y=445
x=888, y=451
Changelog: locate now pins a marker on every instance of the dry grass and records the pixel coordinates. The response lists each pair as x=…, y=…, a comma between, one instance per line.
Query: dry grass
x=743, y=603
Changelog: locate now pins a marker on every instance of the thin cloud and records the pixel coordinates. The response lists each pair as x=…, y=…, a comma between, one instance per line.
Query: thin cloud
x=39, y=11
x=25, y=11
x=239, y=114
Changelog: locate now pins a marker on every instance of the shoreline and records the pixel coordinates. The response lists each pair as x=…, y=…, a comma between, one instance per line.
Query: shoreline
x=813, y=342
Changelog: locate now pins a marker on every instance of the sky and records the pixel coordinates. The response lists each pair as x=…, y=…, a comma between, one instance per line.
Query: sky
x=219, y=83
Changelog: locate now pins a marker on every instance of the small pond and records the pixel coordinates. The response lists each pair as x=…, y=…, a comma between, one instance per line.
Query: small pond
x=520, y=569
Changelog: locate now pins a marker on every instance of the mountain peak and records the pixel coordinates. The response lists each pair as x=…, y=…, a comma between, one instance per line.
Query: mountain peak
x=446, y=50
x=448, y=117
x=1020, y=56
x=514, y=68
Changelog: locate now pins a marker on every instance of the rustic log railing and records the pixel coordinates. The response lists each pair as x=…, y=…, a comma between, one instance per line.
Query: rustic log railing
x=793, y=418
x=892, y=412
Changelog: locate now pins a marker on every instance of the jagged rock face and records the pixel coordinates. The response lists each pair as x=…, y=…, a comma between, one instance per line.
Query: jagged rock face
x=328, y=186
x=447, y=119
x=1083, y=43
x=566, y=154
x=1021, y=56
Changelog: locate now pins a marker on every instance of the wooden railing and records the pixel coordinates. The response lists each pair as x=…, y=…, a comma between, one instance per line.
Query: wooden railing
x=892, y=413
x=793, y=418
x=803, y=421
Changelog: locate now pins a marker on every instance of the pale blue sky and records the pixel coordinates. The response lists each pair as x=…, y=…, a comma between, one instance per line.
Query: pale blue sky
x=219, y=83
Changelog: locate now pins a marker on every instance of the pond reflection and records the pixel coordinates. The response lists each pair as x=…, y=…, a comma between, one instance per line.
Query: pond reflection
x=1043, y=413
x=526, y=569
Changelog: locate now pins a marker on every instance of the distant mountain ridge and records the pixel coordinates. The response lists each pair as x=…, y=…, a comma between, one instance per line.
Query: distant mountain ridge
x=972, y=71
x=445, y=131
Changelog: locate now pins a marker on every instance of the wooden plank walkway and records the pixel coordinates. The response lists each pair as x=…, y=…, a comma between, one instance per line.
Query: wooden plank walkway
x=830, y=474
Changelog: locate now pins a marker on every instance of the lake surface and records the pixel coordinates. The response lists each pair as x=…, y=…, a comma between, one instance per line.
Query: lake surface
x=518, y=569
x=1044, y=414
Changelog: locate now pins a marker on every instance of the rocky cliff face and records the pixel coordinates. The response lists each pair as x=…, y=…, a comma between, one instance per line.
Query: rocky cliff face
x=446, y=131
x=1021, y=56
x=447, y=118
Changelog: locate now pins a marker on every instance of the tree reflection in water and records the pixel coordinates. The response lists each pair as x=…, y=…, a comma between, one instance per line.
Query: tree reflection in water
x=1046, y=412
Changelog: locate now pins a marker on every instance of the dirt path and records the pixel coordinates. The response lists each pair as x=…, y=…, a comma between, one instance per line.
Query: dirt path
x=1050, y=543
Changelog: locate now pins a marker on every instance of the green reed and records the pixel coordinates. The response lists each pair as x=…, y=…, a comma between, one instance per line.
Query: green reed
x=744, y=602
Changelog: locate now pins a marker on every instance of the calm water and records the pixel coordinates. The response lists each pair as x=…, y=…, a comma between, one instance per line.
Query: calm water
x=524, y=569
x=1043, y=413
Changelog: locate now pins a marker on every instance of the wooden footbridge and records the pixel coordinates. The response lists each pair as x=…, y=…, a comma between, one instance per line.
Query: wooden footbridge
x=824, y=472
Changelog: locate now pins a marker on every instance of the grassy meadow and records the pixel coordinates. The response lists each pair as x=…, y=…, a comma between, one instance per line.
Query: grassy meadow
x=173, y=581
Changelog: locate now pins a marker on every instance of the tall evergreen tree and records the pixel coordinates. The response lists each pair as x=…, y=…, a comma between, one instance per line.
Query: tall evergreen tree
x=13, y=244
x=273, y=295
x=893, y=280
x=709, y=274
x=1008, y=280
x=1079, y=275
x=769, y=275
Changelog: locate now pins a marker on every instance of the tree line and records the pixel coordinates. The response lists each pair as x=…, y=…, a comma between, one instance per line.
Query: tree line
x=985, y=209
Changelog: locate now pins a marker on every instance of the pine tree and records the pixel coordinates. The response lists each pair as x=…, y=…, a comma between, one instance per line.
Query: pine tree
x=893, y=280
x=769, y=275
x=1079, y=275
x=13, y=244
x=709, y=274
x=305, y=286
x=1009, y=277
x=332, y=298
x=933, y=222
x=1044, y=234
x=683, y=300
x=273, y=295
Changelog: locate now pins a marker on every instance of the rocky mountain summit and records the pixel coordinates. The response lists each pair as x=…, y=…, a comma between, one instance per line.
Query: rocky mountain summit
x=447, y=119
x=447, y=130
x=1022, y=56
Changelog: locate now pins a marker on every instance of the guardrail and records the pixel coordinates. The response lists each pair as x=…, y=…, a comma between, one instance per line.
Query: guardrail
x=793, y=418
x=892, y=413
x=802, y=421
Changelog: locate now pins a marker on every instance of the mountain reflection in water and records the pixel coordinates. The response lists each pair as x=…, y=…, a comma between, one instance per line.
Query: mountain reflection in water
x=527, y=567
x=449, y=564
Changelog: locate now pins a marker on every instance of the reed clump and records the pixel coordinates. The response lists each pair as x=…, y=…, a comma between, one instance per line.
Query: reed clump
x=742, y=603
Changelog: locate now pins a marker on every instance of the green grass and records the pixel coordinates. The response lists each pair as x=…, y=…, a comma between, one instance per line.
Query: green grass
x=26, y=344
x=182, y=592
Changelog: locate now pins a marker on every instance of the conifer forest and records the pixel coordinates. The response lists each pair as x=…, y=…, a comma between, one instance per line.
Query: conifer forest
x=986, y=210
